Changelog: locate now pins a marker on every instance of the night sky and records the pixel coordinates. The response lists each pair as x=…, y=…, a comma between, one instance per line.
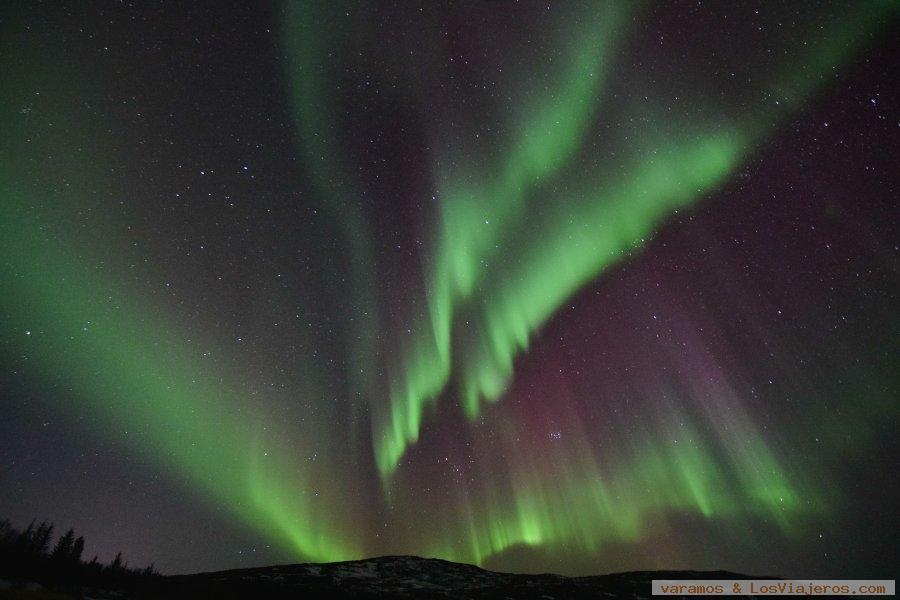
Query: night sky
x=569, y=287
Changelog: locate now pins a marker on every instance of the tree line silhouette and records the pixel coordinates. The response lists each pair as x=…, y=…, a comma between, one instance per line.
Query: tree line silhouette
x=29, y=555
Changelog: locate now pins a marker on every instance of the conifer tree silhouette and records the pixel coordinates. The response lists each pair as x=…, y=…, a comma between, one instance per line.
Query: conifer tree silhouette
x=41, y=540
x=24, y=541
x=77, y=549
x=116, y=564
x=63, y=549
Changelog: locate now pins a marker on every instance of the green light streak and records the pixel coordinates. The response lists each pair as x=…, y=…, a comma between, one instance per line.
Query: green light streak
x=307, y=42
x=571, y=253
x=125, y=368
x=550, y=135
x=617, y=208
x=133, y=376
x=564, y=497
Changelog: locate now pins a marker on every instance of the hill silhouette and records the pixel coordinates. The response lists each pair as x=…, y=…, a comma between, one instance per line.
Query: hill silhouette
x=32, y=567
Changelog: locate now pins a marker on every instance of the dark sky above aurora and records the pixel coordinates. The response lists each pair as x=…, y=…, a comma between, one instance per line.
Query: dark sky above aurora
x=572, y=287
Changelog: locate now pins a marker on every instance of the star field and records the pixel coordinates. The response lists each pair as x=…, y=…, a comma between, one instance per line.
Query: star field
x=569, y=287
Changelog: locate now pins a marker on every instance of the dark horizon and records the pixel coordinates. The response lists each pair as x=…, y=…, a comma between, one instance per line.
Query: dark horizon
x=57, y=554
x=574, y=288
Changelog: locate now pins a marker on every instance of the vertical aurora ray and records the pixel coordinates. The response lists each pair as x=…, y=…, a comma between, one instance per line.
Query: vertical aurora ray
x=308, y=75
x=561, y=493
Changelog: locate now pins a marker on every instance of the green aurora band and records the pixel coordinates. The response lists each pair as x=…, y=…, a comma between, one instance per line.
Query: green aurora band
x=614, y=211
x=127, y=362
x=124, y=358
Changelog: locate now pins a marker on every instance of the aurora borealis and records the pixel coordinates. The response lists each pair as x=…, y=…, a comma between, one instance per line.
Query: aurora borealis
x=570, y=287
